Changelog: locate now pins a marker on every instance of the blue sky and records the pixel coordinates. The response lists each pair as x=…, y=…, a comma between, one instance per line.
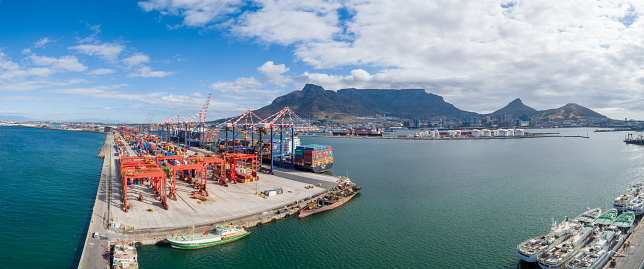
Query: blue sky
x=126, y=60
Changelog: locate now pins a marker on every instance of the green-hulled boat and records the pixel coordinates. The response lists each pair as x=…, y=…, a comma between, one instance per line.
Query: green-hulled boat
x=223, y=234
x=625, y=220
x=607, y=217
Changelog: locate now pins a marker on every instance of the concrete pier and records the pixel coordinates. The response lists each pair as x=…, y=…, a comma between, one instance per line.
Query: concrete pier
x=147, y=222
x=631, y=254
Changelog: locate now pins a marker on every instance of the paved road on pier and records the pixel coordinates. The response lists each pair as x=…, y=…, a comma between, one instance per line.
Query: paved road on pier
x=631, y=256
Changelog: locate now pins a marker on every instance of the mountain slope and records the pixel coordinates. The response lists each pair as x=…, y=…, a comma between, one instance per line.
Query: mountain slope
x=569, y=111
x=316, y=103
x=516, y=107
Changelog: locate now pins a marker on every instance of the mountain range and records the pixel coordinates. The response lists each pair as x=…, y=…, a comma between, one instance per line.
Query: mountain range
x=314, y=102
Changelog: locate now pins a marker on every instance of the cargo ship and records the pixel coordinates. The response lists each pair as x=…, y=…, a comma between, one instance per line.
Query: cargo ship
x=340, y=195
x=310, y=158
x=313, y=158
x=223, y=234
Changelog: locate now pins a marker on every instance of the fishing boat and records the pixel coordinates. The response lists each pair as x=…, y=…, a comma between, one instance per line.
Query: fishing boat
x=223, y=234
x=124, y=256
x=340, y=195
x=530, y=249
x=621, y=202
x=625, y=220
x=607, y=217
x=636, y=205
x=557, y=255
x=598, y=251
x=590, y=215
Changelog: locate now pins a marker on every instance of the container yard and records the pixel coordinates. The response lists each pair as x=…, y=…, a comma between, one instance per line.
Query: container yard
x=155, y=184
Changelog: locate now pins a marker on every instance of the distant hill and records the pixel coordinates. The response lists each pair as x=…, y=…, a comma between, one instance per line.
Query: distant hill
x=569, y=111
x=515, y=107
x=15, y=118
x=316, y=103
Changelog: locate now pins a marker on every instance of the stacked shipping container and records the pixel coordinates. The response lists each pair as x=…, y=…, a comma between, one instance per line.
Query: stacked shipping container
x=313, y=155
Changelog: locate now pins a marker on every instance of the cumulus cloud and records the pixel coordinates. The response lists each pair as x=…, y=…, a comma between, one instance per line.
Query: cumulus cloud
x=42, y=42
x=102, y=71
x=195, y=13
x=65, y=63
x=474, y=53
x=146, y=72
x=136, y=59
x=106, y=51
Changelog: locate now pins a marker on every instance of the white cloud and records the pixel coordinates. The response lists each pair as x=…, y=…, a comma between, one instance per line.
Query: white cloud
x=96, y=29
x=273, y=73
x=106, y=51
x=146, y=72
x=239, y=85
x=26, y=51
x=195, y=13
x=136, y=59
x=102, y=71
x=42, y=42
x=286, y=22
x=65, y=63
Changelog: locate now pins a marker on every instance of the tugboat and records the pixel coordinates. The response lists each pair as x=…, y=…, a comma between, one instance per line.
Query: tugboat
x=223, y=234
x=340, y=195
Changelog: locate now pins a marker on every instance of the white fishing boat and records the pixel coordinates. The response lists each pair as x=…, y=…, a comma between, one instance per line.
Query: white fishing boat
x=529, y=249
x=557, y=255
x=621, y=202
x=636, y=205
x=597, y=253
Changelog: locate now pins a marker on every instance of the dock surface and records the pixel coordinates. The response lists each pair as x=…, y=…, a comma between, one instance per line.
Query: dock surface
x=147, y=222
x=631, y=254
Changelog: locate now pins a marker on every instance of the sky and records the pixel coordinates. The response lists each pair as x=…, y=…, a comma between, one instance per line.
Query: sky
x=135, y=60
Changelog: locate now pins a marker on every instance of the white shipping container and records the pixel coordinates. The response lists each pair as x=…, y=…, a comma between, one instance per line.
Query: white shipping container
x=272, y=193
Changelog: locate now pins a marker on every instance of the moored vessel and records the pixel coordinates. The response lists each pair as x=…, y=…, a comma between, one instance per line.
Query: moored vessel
x=597, y=252
x=124, y=256
x=607, y=217
x=621, y=202
x=636, y=205
x=531, y=248
x=223, y=234
x=340, y=195
x=590, y=215
x=557, y=255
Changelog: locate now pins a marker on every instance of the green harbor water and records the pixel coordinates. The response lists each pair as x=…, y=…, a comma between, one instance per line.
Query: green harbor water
x=424, y=204
x=49, y=183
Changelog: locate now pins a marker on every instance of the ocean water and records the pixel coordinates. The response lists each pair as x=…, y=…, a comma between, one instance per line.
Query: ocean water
x=49, y=181
x=424, y=204
x=435, y=204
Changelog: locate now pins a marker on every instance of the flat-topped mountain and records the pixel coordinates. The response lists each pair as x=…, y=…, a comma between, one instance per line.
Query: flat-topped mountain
x=316, y=103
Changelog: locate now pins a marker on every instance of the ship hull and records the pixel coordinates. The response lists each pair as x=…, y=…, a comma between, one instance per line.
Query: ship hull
x=527, y=258
x=203, y=243
x=305, y=213
x=315, y=169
